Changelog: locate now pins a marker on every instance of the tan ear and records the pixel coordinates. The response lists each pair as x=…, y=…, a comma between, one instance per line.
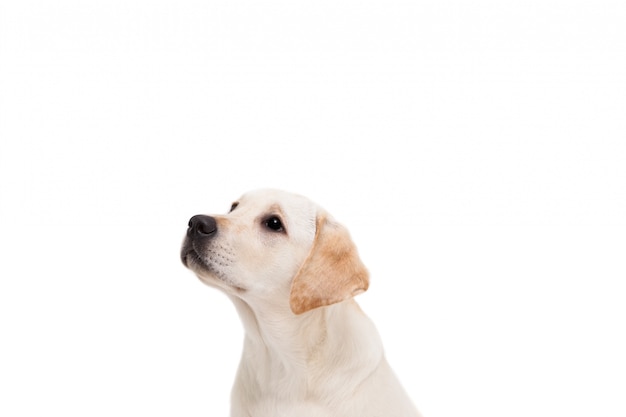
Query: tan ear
x=331, y=273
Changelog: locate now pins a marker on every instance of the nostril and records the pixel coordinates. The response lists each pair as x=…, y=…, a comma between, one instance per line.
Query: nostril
x=207, y=228
x=202, y=226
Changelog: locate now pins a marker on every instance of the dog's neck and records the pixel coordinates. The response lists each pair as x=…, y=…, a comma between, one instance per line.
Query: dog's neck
x=294, y=342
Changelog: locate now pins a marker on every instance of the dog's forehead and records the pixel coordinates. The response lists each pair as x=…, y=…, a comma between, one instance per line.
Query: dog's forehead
x=266, y=198
x=292, y=206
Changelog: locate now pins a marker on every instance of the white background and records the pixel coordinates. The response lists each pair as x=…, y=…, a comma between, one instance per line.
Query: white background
x=476, y=151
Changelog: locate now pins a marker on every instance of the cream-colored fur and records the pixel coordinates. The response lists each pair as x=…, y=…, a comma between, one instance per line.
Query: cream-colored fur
x=309, y=350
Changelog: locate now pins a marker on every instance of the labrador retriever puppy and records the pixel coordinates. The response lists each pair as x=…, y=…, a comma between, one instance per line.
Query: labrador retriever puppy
x=292, y=272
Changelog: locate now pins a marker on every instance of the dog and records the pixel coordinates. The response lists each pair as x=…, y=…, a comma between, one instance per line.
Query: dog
x=292, y=272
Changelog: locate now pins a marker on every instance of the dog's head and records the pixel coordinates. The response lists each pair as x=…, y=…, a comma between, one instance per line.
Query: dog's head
x=277, y=247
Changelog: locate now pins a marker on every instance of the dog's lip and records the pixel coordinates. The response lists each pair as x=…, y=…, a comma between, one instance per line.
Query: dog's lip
x=192, y=260
x=186, y=253
x=190, y=257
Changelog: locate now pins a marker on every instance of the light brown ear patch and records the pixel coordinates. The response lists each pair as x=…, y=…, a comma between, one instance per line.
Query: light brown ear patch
x=332, y=272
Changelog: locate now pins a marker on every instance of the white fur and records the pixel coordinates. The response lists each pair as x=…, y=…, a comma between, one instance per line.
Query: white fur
x=326, y=362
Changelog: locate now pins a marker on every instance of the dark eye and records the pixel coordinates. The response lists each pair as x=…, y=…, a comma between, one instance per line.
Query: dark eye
x=274, y=223
x=234, y=206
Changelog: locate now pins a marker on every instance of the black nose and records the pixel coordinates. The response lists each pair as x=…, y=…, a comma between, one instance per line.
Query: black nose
x=201, y=226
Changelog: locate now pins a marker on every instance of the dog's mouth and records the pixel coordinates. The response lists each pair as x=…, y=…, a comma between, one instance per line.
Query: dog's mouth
x=193, y=261
x=206, y=272
x=189, y=257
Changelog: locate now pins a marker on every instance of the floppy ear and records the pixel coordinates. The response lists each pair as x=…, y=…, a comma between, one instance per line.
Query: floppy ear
x=331, y=273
